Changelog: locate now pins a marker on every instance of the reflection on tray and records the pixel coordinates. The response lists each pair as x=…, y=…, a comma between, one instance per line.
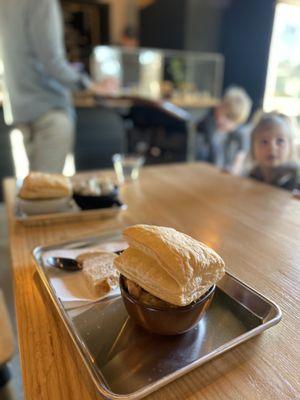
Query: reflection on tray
x=130, y=358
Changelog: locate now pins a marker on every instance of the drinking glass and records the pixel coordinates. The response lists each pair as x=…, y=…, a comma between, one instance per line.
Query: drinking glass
x=127, y=166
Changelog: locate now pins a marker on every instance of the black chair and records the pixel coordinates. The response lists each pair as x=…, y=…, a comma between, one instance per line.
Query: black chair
x=6, y=342
x=6, y=160
x=100, y=134
x=162, y=132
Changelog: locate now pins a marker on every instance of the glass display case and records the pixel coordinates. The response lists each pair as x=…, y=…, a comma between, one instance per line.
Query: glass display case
x=187, y=79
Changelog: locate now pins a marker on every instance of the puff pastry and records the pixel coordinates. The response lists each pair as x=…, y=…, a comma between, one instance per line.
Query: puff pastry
x=99, y=272
x=168, y=264
x=39, y=185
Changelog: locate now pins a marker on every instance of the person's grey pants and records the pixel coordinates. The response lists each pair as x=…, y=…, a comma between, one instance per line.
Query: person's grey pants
x=48, y=140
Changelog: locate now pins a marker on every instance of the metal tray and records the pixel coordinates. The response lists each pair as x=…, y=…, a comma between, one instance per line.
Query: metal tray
x=72, y=214
x=126, y=362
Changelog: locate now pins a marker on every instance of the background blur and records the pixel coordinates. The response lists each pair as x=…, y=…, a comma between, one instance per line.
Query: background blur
x=254, y=44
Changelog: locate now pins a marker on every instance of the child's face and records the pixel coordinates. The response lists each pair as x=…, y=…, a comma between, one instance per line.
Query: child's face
x=272, y=147
x=223, y=119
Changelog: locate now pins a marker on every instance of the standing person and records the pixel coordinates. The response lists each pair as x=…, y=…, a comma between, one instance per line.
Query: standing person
x=38, y=80
x=220, y=138
x=129, y=37
x=272, y=152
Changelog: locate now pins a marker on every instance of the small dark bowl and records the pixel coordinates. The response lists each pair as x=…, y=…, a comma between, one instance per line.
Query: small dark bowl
x=90, y=202
x=166, y=321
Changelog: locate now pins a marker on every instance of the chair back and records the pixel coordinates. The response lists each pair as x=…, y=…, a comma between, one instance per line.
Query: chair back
x=100, y=134
x=6, y=160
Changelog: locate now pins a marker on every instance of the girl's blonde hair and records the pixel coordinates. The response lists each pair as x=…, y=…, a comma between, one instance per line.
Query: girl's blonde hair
x=266, y=121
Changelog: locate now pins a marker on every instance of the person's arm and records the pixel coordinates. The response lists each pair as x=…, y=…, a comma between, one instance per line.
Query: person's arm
x=47, y=41
x=296, y=190
x=238, y=164
x=243, y=143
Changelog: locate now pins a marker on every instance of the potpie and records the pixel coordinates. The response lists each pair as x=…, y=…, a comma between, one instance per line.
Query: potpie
x=39, y=185
x=168, y=264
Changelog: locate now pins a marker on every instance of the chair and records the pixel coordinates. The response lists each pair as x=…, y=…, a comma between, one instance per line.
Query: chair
x=6, y=342
x=6, y=161
x=100, y=134
x=163, y=132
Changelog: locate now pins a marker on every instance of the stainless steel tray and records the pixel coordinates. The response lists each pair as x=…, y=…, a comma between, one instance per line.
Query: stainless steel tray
x=126, y=362
x=72, y=214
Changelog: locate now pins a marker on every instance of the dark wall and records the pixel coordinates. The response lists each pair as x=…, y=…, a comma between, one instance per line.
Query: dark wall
x=6, y=161
x=203, y=24
x=239, y=29
x=162, y=24
x=245, y=41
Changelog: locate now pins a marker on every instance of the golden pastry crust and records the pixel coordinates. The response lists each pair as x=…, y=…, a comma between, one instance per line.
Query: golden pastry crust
x=169, y=264
x=39, y=185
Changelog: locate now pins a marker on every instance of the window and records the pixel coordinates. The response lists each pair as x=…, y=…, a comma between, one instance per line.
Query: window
x=283, y=79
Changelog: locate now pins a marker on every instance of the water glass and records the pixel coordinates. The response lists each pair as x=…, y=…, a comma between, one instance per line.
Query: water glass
x=127, y=166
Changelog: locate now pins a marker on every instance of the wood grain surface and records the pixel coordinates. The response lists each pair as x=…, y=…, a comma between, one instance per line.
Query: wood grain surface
x=254, y=227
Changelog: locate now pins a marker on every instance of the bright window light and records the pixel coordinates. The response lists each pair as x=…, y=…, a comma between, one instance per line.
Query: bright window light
x=69, y=168
x=19, y=154
x=283, y=78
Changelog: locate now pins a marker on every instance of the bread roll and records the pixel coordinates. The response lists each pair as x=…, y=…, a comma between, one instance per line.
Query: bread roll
x=99, y=272
x=168, y=264
x=38, y=185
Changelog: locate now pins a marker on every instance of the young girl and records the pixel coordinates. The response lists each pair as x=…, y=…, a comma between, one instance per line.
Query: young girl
x=272, y=151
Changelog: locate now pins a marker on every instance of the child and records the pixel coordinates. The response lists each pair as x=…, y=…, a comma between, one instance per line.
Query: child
x=218, y=139
x=272, y=151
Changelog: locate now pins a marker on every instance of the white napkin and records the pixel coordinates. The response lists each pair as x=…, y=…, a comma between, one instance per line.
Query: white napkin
x=70, y=286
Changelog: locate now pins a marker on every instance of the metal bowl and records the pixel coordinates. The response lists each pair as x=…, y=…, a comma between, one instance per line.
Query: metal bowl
x=166, y=321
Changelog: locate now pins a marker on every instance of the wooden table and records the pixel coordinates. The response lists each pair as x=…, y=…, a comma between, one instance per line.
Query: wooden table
x=256, y=229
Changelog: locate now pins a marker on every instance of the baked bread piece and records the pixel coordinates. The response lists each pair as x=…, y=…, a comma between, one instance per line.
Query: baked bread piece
x=39, y=185
x=99, y=271
x=168, y=264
